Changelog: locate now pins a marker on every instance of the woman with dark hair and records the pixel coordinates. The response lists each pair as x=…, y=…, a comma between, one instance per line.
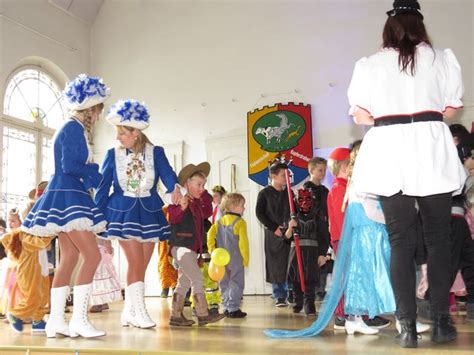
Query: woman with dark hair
x=409, y=158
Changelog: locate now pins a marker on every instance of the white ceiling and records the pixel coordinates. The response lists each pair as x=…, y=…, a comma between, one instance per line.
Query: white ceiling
x=85, y=10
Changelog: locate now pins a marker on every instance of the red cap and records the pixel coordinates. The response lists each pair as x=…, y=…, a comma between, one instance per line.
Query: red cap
x=340, y=154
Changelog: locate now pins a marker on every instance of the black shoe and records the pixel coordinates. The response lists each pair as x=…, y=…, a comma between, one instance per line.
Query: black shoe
x=443, y=329
x=310, y=308
x=408, y=338
x=214, y=310
x=291, y=297
x=165, y=293
x=297, y=308
x=226, y=313
x=340, y=323
x=237, y=314
x=377, y=322
x=281, y=302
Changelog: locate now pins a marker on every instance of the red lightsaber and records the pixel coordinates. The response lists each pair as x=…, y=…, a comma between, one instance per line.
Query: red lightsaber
x=296, y=235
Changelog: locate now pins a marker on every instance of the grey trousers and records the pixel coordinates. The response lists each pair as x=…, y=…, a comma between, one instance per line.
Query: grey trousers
x=232, y=287
x=189, y=274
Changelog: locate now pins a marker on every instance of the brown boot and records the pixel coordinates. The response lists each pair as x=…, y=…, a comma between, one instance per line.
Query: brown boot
x=96, y=309
x=202, y=312
x=177, y=318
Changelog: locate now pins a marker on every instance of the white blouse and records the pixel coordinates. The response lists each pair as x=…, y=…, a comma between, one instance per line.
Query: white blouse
x=379, y=87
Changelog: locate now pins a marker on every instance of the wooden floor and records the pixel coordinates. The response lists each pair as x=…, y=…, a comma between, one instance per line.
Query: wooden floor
x=225, y=337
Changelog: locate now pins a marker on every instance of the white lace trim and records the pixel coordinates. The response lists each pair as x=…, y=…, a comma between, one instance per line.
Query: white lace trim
x=122, y=159
x=53, y=229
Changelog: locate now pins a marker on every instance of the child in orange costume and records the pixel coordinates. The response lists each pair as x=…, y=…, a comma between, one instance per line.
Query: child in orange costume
x=168, y=274
x=32, y=279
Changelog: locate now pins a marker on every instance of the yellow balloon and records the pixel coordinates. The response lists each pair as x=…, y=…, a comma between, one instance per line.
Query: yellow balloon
x=220, y=256
x=216, y=272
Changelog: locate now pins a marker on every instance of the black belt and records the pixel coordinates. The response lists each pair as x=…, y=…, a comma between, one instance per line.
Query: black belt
x=402, y=119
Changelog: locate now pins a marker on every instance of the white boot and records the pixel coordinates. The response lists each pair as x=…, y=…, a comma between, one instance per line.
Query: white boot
x=358, y=325
x=56, y=322
x=420, y=327
x=137, y=295
x=79, y=324
x=128, y=314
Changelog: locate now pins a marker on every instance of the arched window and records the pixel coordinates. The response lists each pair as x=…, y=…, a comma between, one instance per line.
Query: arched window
x=33, y=108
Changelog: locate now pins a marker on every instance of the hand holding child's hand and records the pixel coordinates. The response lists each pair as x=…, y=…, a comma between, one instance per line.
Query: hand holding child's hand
x=176, y=195
x=184, y=202
x=278, y=232
x=322, y=259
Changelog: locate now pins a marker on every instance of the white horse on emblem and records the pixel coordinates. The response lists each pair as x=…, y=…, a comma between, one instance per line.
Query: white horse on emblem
x=275, y=132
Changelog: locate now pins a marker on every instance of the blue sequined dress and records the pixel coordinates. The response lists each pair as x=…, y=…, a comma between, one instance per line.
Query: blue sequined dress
x=361, y=271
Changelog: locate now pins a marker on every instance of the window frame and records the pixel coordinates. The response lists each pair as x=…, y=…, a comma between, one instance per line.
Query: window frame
x=38, y=127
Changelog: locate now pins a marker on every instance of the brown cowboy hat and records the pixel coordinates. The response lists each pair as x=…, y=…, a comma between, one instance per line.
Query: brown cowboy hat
x=191, y=169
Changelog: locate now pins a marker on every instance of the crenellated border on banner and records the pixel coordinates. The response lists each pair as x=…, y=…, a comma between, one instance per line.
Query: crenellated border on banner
x=271, y=123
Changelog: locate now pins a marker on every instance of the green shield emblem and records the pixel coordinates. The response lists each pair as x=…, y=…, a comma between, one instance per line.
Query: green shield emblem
x=279, y=130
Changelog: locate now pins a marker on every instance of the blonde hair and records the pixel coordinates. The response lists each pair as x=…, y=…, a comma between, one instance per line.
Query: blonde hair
x=87, y=119
x=13, y=214
x=231, y=199
x=354, y=151
x=197, y=174
x=316, y=161
x=141, y=140
x=335, y=166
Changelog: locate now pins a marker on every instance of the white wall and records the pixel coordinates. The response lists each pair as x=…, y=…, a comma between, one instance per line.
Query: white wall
x=35, y=32
x=177, y=55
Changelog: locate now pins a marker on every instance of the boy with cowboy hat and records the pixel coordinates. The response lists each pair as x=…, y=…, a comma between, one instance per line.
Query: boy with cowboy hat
x=186, y=242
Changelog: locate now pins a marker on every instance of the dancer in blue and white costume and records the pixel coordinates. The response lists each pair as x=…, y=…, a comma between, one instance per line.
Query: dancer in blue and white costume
x=134, y=209
x=67, y=210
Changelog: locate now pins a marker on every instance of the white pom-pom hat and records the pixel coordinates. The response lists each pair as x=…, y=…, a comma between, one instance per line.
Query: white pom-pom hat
x=130, y=113
x=84, y=92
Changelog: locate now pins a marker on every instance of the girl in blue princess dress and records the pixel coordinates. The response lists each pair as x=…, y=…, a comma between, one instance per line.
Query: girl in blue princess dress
x=134, y=208
x=67, y=210
x=361, y=271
